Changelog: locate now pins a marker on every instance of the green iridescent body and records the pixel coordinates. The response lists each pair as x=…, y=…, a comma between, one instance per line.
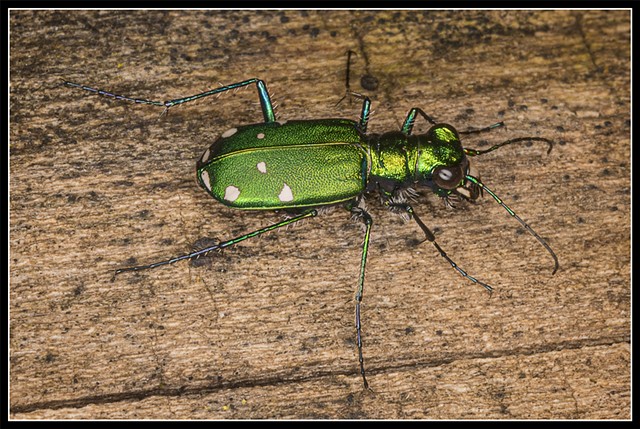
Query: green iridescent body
x=300, y=164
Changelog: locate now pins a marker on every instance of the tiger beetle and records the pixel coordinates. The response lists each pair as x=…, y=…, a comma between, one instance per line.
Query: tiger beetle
x=300, y=166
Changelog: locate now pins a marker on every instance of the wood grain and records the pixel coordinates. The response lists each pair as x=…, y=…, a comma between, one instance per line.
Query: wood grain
x=265, y=329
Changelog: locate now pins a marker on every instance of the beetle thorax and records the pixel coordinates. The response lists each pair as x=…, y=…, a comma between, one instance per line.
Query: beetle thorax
x=393, y=160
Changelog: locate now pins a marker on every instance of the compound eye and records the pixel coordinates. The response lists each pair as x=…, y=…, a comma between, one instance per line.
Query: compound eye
x=447, y=177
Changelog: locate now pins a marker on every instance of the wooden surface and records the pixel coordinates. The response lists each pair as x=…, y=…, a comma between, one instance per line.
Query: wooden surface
x=265, y=330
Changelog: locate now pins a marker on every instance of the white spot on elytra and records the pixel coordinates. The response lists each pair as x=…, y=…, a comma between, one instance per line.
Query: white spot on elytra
x=260, y=136
x=286, y=194
x=205, y=156
x=262, y=167
x=229, y=132
x=205, y=179
x=231, y=193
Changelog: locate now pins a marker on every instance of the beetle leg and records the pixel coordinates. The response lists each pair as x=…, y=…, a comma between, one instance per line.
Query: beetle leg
x=365, y=113
x=265, y=101
x=348, y=92
x=407, y=126
x=366, y=102
x=481, y=130
x=430, y=237
x=228, y=243
x=368, y=221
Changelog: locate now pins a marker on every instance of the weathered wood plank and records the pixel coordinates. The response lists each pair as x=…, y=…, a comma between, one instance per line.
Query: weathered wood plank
x=266, y=330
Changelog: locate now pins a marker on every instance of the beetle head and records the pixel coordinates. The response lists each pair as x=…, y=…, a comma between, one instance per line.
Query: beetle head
x=443, y=165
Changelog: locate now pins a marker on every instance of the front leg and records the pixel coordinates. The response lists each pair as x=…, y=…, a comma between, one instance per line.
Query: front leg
x=406, y=208
x=407, y=126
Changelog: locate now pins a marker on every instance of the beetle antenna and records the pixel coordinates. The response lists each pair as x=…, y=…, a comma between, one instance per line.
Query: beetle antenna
x=477, y=182
x=474, y=152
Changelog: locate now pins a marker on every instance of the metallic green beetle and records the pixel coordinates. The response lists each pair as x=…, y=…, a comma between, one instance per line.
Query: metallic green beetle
x=300, y=166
